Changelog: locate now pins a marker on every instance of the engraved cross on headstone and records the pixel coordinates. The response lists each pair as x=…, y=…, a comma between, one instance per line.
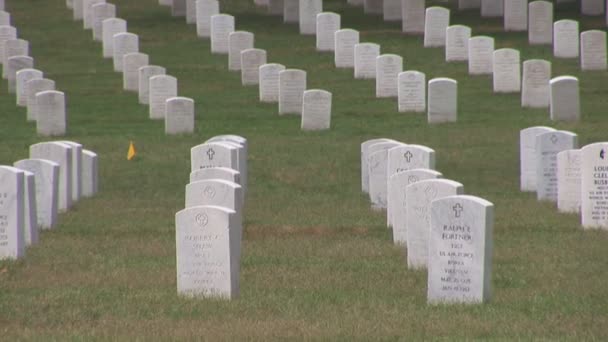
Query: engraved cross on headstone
x=210, y=153
x=457, y=209
x=408, y=156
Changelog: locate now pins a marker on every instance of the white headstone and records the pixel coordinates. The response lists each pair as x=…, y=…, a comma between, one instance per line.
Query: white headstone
x=460, y=250
x=436, y=22
x=443, y=100
x=491, y=8
x=516, y=15
x=569, y=181
x=344, y=56
x=547, y=146
x=76, y=150
x=14, y=47
x=316, y=110
x=12, y=240
x=61, y=154
x=564, y=99
x=33, y=87
x=14, y=65
x=101, y=12
x=419, y=197
x=223, y=173
x=269, y=82
x=205, y=9
x=292, y=84
x=124, y=43
x=413, y=16
x=77, y=7
x=162, y=87
x=565, y=39
x=5, y=18
x=221, y=27
x=291, y=11
x=535, y=83
x=238, y=41
x=365, y=60
x=144, y=74
x=506, y=75
x=251, y=61
x=592, y=7
x=527, y=156
x=51, y=116
x=218, y=192
x=21, y=78
x=30, y=220
x=594, y=186
x=540, y=22
x=593, y=50
x=242, y=152
x=364, y=157
x=179, y=115
x=90, y=174
x=391, y=10
x=308, y=15
x=87, y=12
x=6, y=33
x=388, y=67
x=213, y=154
x=412, y=91
x=377, y=164
x=457, y=43
x=46, y=176
x=131, y=64
x=481, y=49
x=327, y=24
x=109, y=28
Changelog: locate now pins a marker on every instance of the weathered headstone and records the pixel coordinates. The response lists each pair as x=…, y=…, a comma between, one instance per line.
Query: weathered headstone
x=565, y=38
x=237, y=42
x=218, y=192
x=292, y=84
x=5, y=18
x=162, y=87
x=33, y=87
x=412, y=91
x=14, y=65
x=308, y=15
x=101, y=12
x=492, y=8
x=12, y=240
x=377, y=163
x=131, y=64
x=344, y=56
x=460, y=250
x=46, y=176
x=547, y=146
x=76, y=150
x=327, y=24
x=365, y=60
x=87, y=12
x=364, y=157
x=527, y=156
x=481, y=49
x=223, y=173
x=413, y=16
x=109, y=28
x=90, y=174
x=593, y=50
x=535, y=83
x=516, y=15
x=144, y=75
x=388, y=67
x=205, y=9
x=569, y=181
x=594, y=186
x=21, y=78
x=61, y=154
x=11, y=48
x=251, y=61
x=124, y=43
x=457, y=43
x=506, y=75
x=51, y=118
x=540, y=22
x=179, y=115
x=221, y=27
x=213, y=154
x=564, y=99
x=436, y=22
x=6, y=33
x=443, y=100
x=419, y=197
x=391, y=10
x=291, y=11
x=242, y=152
x=269, y=82
x=316, y=110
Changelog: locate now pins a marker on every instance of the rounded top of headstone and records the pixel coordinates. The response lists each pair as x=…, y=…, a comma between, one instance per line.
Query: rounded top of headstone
x=459, y=27
x=566, y=22
x=593, y=32
x=414, y=172
x=20, y=58
x=437, y=9
x=367, y=45
x=180, y=99
x=221, y=16
x=411, y=74
x=125, y=35
x=113, y=21
x=23, y=162
x=466, y=198
x=481, y=39
x=506, y=52
x=317, y=92
x=327, y=14
x=346, y=31
x=565, y=78
x=10, y=170
x=442, y=181
x=50, y=93
x=536, y=129
x=443, y=80
x=292, y=73
x=390, y=57
x=135, y=55
x=162, y=78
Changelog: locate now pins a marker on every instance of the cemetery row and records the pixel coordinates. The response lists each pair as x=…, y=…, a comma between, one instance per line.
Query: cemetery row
x=33, y=192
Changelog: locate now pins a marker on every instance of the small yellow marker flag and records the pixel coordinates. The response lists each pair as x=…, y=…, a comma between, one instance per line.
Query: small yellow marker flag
x=131, y=152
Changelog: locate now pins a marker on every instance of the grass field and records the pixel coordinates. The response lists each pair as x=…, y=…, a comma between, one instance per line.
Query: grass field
x=317, y=262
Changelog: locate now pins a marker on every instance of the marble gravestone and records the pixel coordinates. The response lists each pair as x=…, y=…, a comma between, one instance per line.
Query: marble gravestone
x=413, y=16
x=481, y=49
x=76, y=150
x=364, y=157
x=178, y=8
x=21, y=78
x=61, y=154
x=242, y=151
x=14, y=65
x=251, y=61
x=292, y=84
x=237, y=42
x=12, y=240
x=124, y=43
x=221, y=27
x=269, y=82
x=77, y=7
x=546, y=147
x=593, y=50
x=214, y=154
x=372, y=6
x=594, y=186
x=388, y=67
x=46, y=177
x=540, y=22
x=365, y=60
x=492, y=8
x=162, y=87
x=205, y=9
x=527, y=156
x=209, y=269
x=460, y=250
x=11, y=48
x=327, y=24
x=5, y=18
x=190, y=11
x=33, y=87
x=535, y=83
x=30, y=213
x=218, y=192
x=51, y=118
x=506, y=74
x=179, y=115
x=222, y=173
x=99, y=13
x=442, y=100
x=592, y=7
x=391, y=10
x=90, y=178
x=437, y=20
x=87, y=12
x=109, y=28
x=419, y=197
x=291, y=11
x=411, y=91
x=307, y=13
x=316, y=110
x=144, y=75
x=6, y=33
x=565, y=38
x=344, y=55
x=131, y=64
x=377, y=164
x=564, y=101
x=457, y=43
x=569, y=181
x=404, y=158
x=516, y=15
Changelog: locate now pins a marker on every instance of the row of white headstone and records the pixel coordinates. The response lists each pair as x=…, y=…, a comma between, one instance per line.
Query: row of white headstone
x=208, y=232
x=153, y=86
x=443, y=230
x=552, y=165
x=33, y=191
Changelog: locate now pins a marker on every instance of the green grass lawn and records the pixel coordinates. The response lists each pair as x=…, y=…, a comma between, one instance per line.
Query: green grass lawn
x=317, y=262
